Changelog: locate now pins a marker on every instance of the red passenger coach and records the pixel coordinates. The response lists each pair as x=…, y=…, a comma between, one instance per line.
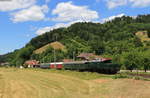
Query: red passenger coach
x=52, y=66
x=57, y=65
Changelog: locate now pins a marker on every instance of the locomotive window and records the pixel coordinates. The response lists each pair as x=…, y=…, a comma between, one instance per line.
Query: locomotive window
x=108, y=61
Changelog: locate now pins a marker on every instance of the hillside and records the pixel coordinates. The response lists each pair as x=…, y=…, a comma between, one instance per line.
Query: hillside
x=55, y=45
x=1, y=58
x=115, y=39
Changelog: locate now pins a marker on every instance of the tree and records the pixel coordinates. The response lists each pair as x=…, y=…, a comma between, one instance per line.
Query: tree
x=145, y=60
x=132, y=60
x=148, y=32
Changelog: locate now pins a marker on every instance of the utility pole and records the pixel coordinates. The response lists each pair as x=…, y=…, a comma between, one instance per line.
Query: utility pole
x=56, y=38
x=54, y=55
x=73, y=56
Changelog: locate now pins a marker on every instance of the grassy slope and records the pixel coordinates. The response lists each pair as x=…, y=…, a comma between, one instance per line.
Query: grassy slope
x=143, y=37
x=28, y=83
x=55, y=45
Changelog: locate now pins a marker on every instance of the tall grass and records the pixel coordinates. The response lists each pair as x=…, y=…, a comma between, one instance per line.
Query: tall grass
x=81, y=75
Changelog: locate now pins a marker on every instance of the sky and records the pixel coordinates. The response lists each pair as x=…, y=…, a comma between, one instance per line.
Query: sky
x=22, y=20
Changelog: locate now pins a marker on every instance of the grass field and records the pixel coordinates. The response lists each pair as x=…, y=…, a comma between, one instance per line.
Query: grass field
x=38, y=83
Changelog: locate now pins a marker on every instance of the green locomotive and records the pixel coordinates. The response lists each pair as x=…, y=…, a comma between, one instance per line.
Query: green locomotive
x=93, y=66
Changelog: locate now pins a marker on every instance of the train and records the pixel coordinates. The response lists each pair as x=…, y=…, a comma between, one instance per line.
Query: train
x=106, y=66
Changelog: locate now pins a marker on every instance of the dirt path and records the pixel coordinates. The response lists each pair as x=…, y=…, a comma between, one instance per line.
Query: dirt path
x=16, y=83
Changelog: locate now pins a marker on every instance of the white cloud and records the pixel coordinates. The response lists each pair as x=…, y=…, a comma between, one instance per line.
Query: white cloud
x=68, y=14
x=134, y=3
x=115, y=3
x=56, y=26
x=67, y=11
x=10, y=5
x=34, y=13
x=140, y=3
x=43, y=30
x=112, y=17
x=49, y=28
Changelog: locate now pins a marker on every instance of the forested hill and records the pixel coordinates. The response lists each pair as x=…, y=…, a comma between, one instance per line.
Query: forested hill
x=113, y=38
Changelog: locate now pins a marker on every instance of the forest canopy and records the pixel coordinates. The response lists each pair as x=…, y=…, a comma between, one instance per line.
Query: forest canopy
x=116, y=38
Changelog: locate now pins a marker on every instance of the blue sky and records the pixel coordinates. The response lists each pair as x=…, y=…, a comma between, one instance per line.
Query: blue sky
x=21, y=20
